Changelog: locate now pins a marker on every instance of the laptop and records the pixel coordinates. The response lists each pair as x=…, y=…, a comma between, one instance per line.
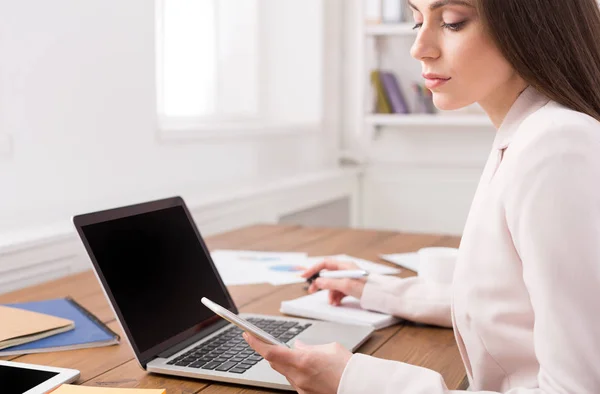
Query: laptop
x=154, y=268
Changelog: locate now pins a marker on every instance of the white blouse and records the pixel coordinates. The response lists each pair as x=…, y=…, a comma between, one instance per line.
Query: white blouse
x=526, y=289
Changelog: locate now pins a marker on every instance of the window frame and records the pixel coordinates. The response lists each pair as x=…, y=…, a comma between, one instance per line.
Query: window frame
x=171, y=128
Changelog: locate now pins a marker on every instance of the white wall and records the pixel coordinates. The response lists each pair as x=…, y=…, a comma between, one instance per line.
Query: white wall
x=78, y=132
x=423, y=180
x=78, y=118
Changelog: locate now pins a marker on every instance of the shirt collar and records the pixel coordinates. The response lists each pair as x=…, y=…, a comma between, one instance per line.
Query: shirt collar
x=529, y=101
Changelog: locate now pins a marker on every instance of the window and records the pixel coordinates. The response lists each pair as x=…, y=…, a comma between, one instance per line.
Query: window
x=231, y=64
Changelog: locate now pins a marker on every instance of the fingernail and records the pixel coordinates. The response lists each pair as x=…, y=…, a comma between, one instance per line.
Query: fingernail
x=245, y=336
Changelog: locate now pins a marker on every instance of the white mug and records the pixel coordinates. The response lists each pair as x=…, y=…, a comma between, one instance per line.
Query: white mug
x=436, y=264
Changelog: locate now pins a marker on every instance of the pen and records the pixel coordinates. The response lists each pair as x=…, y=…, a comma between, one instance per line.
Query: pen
x=354, y=274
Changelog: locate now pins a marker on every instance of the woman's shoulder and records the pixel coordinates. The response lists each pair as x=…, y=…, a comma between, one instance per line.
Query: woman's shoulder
x=554, y=144
x=555, y=126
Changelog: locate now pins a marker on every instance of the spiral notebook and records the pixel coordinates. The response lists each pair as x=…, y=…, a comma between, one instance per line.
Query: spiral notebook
x=316, y=306
x=88, y=331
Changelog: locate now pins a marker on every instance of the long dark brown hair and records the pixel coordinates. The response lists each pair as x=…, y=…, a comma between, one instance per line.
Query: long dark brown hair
x=553, y=44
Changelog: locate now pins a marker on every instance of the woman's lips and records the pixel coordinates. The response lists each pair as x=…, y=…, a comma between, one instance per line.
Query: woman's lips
x=432, y=83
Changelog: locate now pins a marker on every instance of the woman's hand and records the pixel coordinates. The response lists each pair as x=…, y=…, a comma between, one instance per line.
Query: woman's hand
x=309, y=369
x=338, y=288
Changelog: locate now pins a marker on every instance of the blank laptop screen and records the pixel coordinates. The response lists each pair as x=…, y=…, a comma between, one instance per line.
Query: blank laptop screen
x=157, y=272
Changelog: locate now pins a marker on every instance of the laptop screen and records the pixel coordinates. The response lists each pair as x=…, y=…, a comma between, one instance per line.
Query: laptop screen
x=155, y=269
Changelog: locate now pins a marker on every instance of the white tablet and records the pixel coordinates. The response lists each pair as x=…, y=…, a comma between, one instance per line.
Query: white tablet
x=21, y=378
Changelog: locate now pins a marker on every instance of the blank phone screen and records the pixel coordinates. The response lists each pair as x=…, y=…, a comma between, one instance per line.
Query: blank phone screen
x=15, y=380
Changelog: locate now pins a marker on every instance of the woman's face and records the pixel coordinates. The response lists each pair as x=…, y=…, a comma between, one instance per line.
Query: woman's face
x=460, y=63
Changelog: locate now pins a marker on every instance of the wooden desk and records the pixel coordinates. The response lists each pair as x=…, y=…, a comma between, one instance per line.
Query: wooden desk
x=115, y=366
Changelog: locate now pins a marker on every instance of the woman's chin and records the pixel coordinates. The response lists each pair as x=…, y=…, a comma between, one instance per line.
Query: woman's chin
x=447, y=103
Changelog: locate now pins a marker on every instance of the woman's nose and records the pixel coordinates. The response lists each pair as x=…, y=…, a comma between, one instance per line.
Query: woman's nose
x=425, y=45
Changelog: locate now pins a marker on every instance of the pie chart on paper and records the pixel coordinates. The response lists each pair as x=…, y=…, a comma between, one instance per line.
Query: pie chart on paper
x=287, y=268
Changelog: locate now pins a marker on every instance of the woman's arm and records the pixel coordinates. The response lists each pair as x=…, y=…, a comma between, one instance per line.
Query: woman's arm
x=411, y=298
x=553, y=214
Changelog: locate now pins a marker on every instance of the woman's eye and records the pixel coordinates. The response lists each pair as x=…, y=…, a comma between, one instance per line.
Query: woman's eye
x=454, y=26
x=449, y=26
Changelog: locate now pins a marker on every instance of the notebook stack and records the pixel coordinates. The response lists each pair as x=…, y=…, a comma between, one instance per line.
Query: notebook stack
x=20, y=326
x=50, y=325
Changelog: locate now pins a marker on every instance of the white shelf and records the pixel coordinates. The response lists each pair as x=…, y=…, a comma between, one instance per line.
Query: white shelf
x=429, y=120
x=390, y=29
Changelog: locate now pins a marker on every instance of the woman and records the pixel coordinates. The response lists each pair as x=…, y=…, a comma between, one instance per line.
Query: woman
x=526, y=285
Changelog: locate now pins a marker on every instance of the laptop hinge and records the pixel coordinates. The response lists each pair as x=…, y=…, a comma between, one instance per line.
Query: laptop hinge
x=201, y=334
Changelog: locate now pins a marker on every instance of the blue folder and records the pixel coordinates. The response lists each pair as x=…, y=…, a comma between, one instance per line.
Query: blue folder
x=88, y=332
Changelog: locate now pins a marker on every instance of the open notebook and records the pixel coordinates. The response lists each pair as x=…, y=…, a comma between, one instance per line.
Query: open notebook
x=316, y=306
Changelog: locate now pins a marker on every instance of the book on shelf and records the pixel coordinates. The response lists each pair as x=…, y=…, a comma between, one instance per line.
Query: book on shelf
x=424, y=99
x=89, y=331
x=388, y=94
x=382, y=105
x=392, y=91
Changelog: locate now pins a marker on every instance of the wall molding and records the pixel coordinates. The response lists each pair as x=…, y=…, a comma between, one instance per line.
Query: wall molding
x=33, y=262
x=44, y=254
x=5, y=144
x=173, y=132
x=272, y=201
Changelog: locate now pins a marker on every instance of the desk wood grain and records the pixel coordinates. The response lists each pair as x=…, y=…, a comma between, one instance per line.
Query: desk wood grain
x=115, y=366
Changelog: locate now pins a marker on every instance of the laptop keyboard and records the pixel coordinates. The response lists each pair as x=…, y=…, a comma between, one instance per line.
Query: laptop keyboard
x=229, y=352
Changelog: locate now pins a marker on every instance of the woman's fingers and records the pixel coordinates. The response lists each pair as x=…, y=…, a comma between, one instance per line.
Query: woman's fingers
x=336, y=297
x=328, y=264
x=281, y=359
x=351, y=287
x=313, y=288
x=272, y=353
x=341, y=285
x=331, y=296
x=309, y=369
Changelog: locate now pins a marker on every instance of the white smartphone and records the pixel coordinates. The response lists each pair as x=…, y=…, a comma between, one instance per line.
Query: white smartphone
x=242, y=323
